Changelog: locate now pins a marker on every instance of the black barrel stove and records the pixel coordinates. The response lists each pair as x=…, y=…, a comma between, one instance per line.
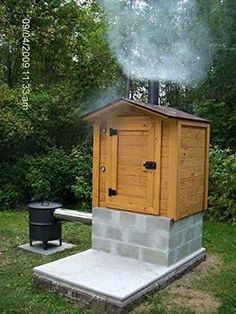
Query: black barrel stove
x=43, y=226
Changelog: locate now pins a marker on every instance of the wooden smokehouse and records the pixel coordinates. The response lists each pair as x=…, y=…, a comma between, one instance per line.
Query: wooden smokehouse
x=150, y=182
x=149, y=159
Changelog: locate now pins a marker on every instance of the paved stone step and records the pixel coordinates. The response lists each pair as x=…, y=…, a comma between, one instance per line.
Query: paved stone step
x=73, y=215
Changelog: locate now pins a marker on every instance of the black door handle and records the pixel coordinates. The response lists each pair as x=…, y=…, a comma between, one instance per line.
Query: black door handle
x=151, y=165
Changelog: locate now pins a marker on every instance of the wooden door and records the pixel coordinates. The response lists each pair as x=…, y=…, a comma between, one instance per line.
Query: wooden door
x=130, y=185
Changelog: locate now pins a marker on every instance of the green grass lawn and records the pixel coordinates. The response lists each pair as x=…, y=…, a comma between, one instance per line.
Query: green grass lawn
x=19, y=295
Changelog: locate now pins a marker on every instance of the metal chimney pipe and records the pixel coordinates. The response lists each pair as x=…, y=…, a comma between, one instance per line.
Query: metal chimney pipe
x=153, y=92
x=129, y=89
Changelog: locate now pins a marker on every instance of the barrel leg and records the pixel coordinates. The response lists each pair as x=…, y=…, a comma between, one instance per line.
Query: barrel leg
x=31, y=242
x=60, y=241
x=45, y=245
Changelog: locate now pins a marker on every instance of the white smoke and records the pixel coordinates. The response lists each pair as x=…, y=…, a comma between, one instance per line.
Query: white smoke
x=106, y=95
x=161, y=40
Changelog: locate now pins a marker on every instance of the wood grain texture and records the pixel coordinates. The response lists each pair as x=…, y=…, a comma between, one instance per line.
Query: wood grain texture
x=103, y=162
x=179, y=185
x=109, y=162
x=207, y=139
x=114, y=159
x=157, y=158
x=96, y=163
x=151, y=173
x=189, y=182
x=164, y=168
x=192, y=132
x=191, y=172
x=133, y=190
x=135, y=144
x=120, y=108
x=131, y=203
x=192, y=152
x=192, y=165
x=132, y=180
x=172, y=168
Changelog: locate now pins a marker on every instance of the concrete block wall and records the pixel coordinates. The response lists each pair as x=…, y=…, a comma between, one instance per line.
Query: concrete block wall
x=152, y=239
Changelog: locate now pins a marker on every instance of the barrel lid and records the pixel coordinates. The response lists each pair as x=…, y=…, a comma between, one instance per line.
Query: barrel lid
x=44, y=205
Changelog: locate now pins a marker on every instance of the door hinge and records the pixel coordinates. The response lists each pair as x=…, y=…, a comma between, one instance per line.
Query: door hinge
x=111, y=192
x=113, y=132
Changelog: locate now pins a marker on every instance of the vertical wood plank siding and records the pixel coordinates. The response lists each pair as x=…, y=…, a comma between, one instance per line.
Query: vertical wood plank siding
x=192, y=169
x=172, y=168
x=103, y=162
x=96, y=163
x=176, y=189
x=164, y=169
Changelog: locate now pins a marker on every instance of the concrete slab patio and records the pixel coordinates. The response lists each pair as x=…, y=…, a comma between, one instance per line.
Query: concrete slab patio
x=53, y=247
x=105, y=280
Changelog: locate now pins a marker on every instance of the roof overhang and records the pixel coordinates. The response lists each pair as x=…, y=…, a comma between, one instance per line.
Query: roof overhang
x=164, y=113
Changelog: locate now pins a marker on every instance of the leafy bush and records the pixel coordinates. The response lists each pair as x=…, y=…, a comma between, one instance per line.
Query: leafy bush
x=57, y=175
x=10, y=196
x=82, y=172
x=48, y=175
x=222, y=121
x=12, y=189
x=222, y=185
x=81, y=175
x=14, y=125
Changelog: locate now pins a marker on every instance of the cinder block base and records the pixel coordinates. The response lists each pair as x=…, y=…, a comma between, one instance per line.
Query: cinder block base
x=109, y=283
x=152, y=239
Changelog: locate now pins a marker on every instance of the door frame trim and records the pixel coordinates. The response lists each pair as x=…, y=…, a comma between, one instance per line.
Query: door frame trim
x=152, y=202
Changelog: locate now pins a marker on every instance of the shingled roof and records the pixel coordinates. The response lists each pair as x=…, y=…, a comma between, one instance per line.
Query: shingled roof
x=164, y=111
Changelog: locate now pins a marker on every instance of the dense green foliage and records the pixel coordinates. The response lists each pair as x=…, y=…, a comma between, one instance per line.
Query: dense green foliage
x=222, y=185
x=55, y=175
x=45, y=150
x=214, y=97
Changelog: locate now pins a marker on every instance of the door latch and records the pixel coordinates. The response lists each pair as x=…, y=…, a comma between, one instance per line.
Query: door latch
x=151, y=165
x=113, y=132
x=111, y=192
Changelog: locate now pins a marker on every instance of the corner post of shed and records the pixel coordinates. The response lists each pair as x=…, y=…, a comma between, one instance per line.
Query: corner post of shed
x=207, y=147
x=174, y=138
x=96, y=162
